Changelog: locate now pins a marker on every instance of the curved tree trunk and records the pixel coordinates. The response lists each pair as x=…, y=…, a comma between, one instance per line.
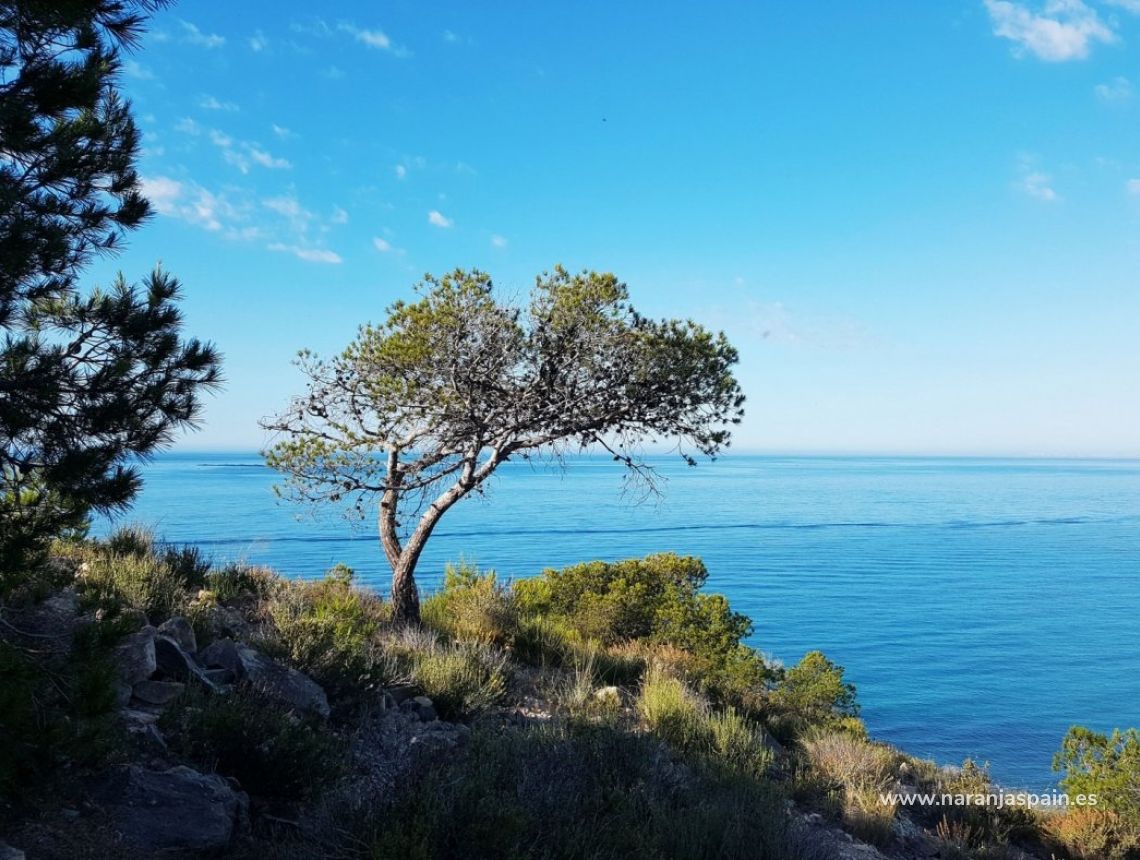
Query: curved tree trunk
x=405, y=594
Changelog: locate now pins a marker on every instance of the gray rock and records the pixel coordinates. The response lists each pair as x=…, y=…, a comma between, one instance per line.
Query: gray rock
x=174, y=810
x=402, y=692
x=283, y=683
x=222, y=654
x=420, y=706
x=217, y=622
x=158, y=692
x=179, y=629
x=7, y=852
x=221, y=677
x=175, y=663
x=135, y=657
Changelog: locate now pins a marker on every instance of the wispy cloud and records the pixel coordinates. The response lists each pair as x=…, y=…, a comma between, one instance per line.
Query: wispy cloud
x=244, y=154
x=498, y=241
x=134, y=69
x=1061, y=30
x=382, y=245
x=258, y=42
x=188, y=202
x=309, y=255
x=282, y=132
x=1039, y=186
x=191, y=35
x=187, y=126
x=208, y=102
x=438, y=219
x=1115, y=92
x=401, y=171
x=339, y=216
x=1132, y=186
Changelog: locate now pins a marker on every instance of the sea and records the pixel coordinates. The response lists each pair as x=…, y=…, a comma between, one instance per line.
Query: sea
x=980, y=606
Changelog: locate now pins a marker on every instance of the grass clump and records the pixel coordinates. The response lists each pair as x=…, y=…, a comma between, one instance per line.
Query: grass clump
x=531, y=793
x=686, y=721
x=461, y=678
x=270, y=752
x=857, y=773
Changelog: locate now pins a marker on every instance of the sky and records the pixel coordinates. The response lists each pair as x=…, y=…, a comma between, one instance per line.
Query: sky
x=918, y=222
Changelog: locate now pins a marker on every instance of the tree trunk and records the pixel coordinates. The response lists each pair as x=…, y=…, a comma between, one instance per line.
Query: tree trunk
x=405, y=595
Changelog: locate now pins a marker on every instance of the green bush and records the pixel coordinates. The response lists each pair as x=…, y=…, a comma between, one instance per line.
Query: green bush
x=580, y=791
x=270, y=752
x=471, y=606
x=241, y=582
x=813, y=693
x=656, y=599
x=144, y=582
x=1107, y=766
x=328, y=629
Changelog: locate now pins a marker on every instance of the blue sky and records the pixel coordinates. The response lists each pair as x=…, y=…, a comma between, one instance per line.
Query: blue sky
x=919, y=222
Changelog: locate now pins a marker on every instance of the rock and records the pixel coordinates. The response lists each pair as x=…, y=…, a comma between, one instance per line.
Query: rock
x=179, y=809
x=283, y=683
x=158, y=692
x=7, y=852
x=122, y=694
x=179, y=629
x=175, y=663
x=222, y=654
x=421, y=706
x=136, y=718
x=217, y=622
x=135, y=657
x=221, y=677
x=401, y=692
x=610, y=697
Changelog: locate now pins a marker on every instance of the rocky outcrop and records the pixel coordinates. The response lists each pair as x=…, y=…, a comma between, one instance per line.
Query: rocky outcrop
x=274, y=680
x=135, y=658
x=172, y=811
x=180, y=630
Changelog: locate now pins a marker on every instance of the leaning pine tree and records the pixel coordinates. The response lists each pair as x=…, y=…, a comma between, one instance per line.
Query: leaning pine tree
x=419, y=411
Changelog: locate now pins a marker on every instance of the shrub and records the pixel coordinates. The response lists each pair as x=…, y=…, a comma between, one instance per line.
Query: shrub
x=142, y=581
x=328, y=629
x=241, y=581
x=859, y=773
x=1094, y=834
x=560, y=791
x=471, y=606
x=656, y=599
x=1107, y=766
x=813, y=693
x=270, y=752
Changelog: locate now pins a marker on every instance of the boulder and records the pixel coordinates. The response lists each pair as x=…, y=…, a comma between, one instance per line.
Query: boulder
x=218, y=621
x=421, y=706
x=135, y=658
x=222, y=654
x=7, y=852
x=157, y=692
x=179, y=629
x=175, y=810
x=401, y=692
x=175, y=663
x=283, y=683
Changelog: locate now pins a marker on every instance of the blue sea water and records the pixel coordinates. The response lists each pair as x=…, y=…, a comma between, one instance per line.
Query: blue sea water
x=980, y=606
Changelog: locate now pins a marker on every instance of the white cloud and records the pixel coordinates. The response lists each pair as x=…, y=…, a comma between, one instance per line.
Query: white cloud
x=401, y=171
x=1132, y=6
x=260, y=156
x=499, y=241
x=1133, y=187
x=310, y=255
x=258, y=42
x=133, y=69
x=210, y=103
x=333, y=73
x=188, y=126
x=282, y=132
x=191, y=35
x=286, y=205
x=438, y=219
x=1062, y=30
x=1116, y=91
x=373, y=38
x=382, y=245
x=187, y=201
x=339, y=216
x=1039, y=186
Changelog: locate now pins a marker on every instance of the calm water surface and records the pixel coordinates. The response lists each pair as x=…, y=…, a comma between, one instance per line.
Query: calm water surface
x=980, y=606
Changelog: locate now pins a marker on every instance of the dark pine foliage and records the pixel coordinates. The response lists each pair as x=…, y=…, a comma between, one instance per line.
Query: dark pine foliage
x=89, y=380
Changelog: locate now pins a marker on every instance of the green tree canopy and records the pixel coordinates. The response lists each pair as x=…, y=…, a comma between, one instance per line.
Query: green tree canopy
x=87, y=381
x=420, y=410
